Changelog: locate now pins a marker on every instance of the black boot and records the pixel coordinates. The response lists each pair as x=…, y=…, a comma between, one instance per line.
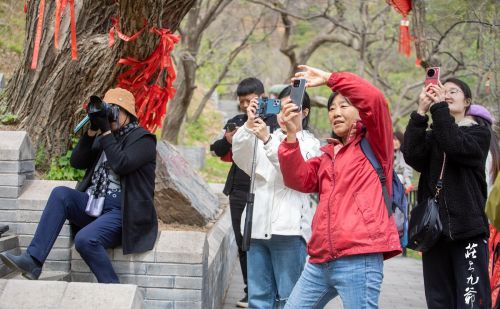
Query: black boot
x=3, y=228
x=23, y=263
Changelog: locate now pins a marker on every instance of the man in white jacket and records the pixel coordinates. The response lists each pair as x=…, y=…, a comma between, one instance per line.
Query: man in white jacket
x=281, y=216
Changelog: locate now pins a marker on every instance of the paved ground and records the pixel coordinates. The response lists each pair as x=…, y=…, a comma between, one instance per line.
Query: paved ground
x=403, y=286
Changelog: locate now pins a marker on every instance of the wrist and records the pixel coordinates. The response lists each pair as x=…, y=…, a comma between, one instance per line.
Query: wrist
x=267, y=139
x=91, y=132
x=421, y=112
x=291, y=137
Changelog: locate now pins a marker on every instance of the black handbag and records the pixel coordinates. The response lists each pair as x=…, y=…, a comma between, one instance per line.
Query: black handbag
x=425, y=226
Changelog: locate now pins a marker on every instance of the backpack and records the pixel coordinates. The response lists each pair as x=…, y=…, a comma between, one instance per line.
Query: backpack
x=397, y=205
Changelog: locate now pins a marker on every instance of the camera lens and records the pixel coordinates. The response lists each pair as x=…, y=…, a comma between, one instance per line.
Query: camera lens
x=431, y=72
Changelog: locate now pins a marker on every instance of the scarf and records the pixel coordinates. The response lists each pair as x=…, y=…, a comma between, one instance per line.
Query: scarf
x=100, y=178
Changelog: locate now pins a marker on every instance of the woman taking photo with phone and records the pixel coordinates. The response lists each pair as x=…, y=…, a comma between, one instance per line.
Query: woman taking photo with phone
x=281, y=216
x=352, y=231
x=454, y=149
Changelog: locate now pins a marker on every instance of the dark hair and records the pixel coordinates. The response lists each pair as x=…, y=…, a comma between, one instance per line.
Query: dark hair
x=332, y=97
x=306, y=103
x=465, y=89
x=400, y=137
x=494, y=148
x=248, y=86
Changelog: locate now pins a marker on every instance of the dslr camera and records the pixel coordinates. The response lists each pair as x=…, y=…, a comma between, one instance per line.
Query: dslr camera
x=268, y=106
x=96, y=105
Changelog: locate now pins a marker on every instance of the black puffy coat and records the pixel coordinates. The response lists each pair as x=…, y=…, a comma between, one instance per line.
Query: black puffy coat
x=463, y=197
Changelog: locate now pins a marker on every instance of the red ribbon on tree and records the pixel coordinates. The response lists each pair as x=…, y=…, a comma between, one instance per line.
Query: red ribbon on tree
x=404, y=8
x=60, y=6
x=143, y=77
x=116, y=29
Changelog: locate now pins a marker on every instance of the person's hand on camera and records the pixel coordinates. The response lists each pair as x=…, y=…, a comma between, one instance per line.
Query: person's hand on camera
x=314, y=77
x=424, y=102
x=251, y=111
x=436, y=93
x=99, y=121
x=229, y=135
x=260, y=130
x=291, y=117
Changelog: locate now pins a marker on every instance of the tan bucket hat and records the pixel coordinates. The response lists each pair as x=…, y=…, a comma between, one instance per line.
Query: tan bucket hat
x=121, y=97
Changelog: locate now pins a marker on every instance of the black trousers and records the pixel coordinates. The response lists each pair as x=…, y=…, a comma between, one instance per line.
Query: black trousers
x=237, y=202
x=456, y=274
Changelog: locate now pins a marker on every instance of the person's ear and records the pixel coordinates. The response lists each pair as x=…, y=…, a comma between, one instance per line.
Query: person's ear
x=305, y=112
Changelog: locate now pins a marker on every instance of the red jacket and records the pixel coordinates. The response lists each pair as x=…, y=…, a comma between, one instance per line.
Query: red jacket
x=351, y=217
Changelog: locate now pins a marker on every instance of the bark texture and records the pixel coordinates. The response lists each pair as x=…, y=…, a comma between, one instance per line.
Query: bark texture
x=48, y=100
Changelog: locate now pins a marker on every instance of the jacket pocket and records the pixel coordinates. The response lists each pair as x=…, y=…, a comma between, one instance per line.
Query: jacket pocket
x=369, y=215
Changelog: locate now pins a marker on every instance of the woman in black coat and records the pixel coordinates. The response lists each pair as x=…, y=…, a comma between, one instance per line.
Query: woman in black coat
x=456, y=267
x=113, y=204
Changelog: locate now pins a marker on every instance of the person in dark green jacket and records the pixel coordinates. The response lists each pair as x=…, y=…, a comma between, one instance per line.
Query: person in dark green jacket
x=112, y=205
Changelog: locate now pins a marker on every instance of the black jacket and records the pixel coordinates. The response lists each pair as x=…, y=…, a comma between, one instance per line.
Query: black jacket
x=463, y=196
x=236, y=178
x=133, y=157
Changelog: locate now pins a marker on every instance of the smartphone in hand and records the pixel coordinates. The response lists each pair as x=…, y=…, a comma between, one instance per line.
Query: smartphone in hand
x=297, y=93
x=432, y=76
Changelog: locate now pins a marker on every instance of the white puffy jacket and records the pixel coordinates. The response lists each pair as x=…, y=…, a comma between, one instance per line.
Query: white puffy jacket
x=278, y=209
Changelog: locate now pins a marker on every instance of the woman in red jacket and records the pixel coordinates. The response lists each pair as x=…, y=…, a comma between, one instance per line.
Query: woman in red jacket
x=352, y=232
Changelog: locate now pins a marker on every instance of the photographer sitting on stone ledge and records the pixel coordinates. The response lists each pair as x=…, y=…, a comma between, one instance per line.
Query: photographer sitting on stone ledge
x=113, y=204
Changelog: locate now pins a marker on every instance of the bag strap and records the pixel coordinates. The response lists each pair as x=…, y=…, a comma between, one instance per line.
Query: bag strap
x=367, y=150
x=439, y=184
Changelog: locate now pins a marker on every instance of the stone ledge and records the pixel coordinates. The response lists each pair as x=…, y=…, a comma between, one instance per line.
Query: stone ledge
x=75, y=295
x=15, y=146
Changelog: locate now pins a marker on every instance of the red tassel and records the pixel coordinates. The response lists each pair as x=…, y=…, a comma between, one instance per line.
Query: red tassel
x=74, y=52
x=418, y=62
x=404, y=38
x=25, y=7
x=143, y=77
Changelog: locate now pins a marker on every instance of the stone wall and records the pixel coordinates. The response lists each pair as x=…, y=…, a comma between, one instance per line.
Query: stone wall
x=186, y=269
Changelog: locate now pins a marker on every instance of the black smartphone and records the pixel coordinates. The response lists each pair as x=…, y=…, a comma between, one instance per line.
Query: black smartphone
x=230, y=127
x=297, y=93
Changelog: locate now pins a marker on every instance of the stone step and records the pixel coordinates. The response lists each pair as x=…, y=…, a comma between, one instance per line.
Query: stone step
x=36, y=193
x=44, y=276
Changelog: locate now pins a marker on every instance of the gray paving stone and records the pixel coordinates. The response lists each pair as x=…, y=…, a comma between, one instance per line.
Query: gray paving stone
x=79, y=295
x=148, y=281
x=15, y=145
x=194, y=270
x=20, y=167
x=194, y=283
x=180, y=247
x=62, y=242
x=8, y=243
x=42, y=295
x=63, y=266
x=8, y=203
x=10, y=191
x=158, y=304
x=188, y=305
x=15, y=180
x=173, y=294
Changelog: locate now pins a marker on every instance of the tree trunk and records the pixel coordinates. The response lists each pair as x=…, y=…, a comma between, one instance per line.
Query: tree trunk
x=48, y=100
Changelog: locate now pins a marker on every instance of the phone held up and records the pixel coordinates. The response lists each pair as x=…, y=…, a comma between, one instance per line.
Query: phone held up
x=268, y=106
x=432, y=76
x=297, y=93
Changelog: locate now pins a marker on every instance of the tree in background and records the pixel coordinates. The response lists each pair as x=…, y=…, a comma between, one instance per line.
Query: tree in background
x=48, y=100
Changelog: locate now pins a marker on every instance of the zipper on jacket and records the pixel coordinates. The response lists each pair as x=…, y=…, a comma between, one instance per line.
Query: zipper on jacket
x=329, y=212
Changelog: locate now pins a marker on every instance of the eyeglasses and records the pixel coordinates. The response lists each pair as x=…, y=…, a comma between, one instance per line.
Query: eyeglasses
x=452, y=92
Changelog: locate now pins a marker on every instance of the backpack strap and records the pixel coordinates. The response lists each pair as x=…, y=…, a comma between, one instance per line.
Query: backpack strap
x=367, y=150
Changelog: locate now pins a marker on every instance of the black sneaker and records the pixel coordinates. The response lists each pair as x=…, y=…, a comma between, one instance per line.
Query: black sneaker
x=23, y=263
x=242, y=303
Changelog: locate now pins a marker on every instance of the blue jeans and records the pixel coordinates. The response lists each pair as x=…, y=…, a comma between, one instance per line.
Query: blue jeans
x=93, y=238
x=357, y=279
x=274, y=266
